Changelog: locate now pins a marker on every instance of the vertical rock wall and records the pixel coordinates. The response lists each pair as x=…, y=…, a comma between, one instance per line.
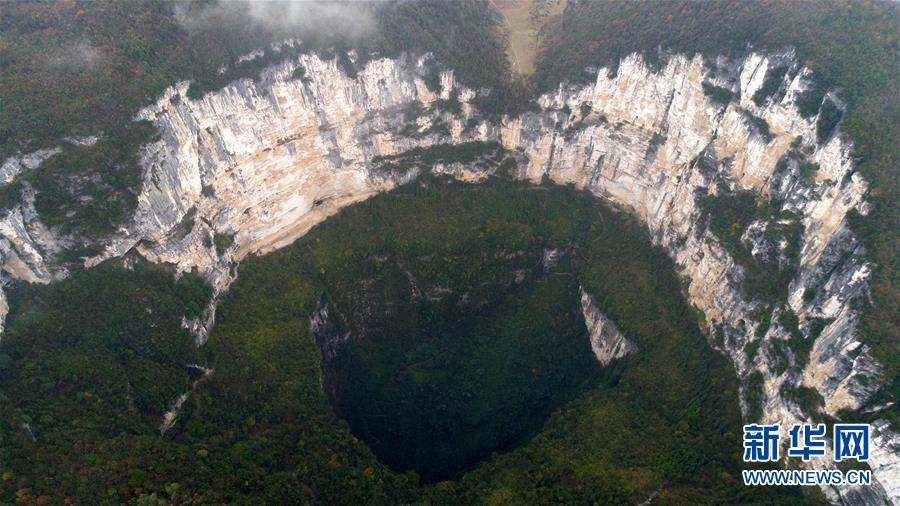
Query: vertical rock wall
x=264, y=161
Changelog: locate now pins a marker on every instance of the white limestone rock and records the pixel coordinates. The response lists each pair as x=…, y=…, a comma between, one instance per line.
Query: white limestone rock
x=607, y=341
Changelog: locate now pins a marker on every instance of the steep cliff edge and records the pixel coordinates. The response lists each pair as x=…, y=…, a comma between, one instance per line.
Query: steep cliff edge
x=254, y=166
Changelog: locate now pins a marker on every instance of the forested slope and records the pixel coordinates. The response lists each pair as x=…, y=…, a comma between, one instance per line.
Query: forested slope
x=260, y=428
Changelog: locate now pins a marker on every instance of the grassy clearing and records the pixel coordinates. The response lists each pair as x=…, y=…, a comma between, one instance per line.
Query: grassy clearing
x=522, y=22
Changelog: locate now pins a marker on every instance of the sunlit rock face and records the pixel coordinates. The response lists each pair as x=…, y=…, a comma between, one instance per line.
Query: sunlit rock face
x=266, y=160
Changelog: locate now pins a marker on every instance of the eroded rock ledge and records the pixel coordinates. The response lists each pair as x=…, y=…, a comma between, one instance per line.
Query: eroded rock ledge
x=264, y=161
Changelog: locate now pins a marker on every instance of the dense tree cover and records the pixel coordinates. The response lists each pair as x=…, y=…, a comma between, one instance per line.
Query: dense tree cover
x=850, y=45
x=87, y=366
x=79, y=68
x=90, y=190
x=10, y=195
x=76, y=68
x=450, y=357
x=460, y=35
x=260, y=427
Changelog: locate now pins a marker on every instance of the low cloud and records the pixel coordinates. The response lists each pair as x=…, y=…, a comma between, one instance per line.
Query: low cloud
x=288, y=18
x=79, y=55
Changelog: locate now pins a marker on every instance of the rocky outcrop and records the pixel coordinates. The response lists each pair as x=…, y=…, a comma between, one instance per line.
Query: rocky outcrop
x=15, y=165
x=262, y=161
x=171, y=416
x=27, y=248
x=607, y=341
x=330, y=340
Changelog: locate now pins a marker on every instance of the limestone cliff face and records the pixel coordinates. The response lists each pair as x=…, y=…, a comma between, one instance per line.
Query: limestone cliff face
x=264, y=161
x=639, y=141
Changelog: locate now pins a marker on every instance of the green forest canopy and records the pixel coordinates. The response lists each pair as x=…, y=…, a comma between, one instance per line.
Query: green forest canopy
x=260, y=428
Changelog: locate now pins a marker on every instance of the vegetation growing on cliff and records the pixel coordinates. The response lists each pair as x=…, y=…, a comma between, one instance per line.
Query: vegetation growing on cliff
x=720, y=95
x=729, y=215
x=223, y=242
x=479, y=155
x=773, y=81
x=851, y=46
x=90, y=190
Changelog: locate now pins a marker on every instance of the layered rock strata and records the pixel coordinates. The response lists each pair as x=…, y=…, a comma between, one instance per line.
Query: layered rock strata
x=256, y=165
